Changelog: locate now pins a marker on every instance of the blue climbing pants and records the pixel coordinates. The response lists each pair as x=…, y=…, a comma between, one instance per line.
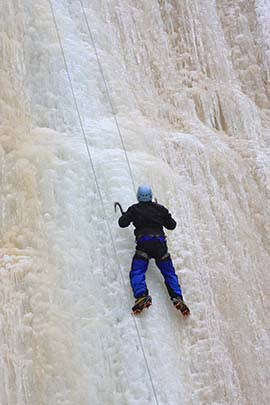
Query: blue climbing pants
x=153, y=248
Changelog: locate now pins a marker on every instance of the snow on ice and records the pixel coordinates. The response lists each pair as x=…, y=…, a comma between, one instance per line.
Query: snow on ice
x=175, y=94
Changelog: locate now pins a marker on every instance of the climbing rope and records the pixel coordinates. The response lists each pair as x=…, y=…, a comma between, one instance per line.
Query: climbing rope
x=108, y=94
x=97, y=184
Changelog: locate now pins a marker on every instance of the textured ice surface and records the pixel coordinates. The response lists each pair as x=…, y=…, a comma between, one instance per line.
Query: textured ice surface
x=189, y=87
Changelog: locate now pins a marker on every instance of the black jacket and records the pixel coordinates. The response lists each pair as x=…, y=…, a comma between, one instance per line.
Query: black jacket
x=148, y=218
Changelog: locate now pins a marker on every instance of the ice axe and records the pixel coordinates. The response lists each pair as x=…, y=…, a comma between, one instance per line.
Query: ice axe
x=117, y=204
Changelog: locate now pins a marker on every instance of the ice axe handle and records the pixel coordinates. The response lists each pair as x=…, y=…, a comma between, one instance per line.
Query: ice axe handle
x=117, y=204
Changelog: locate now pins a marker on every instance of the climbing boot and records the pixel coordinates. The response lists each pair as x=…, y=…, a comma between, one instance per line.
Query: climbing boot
x=179, y=304
x=142, y=302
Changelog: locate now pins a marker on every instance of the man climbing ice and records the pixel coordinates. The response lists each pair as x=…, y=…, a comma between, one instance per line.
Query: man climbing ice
x=149, y=218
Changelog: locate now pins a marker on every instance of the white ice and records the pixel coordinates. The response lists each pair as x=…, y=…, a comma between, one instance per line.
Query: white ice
x=176, y=94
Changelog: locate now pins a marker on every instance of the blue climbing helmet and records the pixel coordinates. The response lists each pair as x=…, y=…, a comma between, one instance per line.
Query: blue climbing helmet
x=144, y=193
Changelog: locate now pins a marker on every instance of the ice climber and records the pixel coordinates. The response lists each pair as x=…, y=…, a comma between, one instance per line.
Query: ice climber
x=148, y=219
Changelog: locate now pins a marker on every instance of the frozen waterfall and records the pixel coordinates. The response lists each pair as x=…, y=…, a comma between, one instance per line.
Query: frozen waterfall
x=99, y=96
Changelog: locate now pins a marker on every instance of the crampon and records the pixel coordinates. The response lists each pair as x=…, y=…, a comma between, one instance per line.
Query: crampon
x=141, y=303
x=181, y=306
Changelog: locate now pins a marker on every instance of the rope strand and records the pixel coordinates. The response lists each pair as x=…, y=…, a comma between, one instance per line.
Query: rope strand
x=100, y=196
x=108, y=94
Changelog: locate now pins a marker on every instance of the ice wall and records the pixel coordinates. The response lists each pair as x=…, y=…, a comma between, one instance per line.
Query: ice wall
x=182, y=102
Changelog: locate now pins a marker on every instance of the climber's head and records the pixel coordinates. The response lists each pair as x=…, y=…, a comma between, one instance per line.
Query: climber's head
x=144, y=193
